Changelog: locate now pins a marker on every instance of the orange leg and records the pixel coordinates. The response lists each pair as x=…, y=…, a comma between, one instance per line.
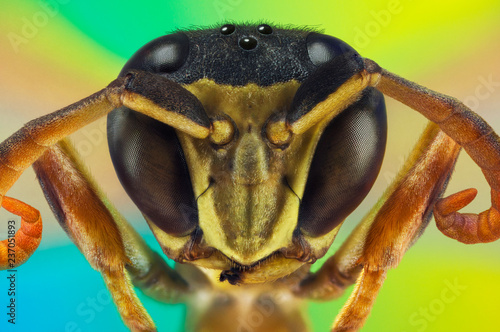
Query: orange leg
x=468, y=227
x=474, y=135
x=16, y=250
x=131, y=310
x=401, y=216
x=386, y=233
x=360, y=303
x=107, y=240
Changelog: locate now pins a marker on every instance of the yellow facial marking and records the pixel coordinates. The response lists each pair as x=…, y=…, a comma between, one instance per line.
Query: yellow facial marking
x=248, y=189
x=335, y=103
x=177, y=121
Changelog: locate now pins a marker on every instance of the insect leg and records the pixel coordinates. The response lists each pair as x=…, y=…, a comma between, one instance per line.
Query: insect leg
x=384, y=235
x=17, y=249
x=399, y=218
x=106, y=239
x=80, y=210
x=474, y=135
x=357, y=308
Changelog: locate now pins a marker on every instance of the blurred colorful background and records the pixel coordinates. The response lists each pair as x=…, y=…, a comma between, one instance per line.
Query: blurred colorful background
x=55, y=52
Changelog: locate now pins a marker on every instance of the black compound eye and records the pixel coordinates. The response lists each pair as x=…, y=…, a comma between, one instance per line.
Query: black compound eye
x=227, y=29
x=151, y=166
x=322, y=48
x=248, y=43
x=265, y=29
x=345, y=165
x=162, y=55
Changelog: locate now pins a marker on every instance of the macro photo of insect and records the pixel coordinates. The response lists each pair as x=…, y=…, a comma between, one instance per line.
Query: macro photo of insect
x=249, y=166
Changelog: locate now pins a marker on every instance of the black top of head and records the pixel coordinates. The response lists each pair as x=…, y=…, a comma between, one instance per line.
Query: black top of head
x=238, y=54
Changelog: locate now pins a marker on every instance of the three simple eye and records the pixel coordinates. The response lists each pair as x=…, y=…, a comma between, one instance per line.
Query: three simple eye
x=247, y=43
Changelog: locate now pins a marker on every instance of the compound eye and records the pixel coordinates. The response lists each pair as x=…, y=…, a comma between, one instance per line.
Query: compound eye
x=345, y=165
x=322, y=48
x=265, y=29
x=227, y=29
x=162, y=55
x=151, y=166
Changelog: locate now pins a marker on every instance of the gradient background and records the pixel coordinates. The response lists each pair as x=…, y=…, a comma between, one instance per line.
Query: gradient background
x=77, y=49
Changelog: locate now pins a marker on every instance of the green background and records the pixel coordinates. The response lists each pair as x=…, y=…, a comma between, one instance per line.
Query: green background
x=53, y=53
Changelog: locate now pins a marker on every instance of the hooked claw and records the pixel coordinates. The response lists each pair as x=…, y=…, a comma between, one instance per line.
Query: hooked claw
x=468, y=227
x=16, y=250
